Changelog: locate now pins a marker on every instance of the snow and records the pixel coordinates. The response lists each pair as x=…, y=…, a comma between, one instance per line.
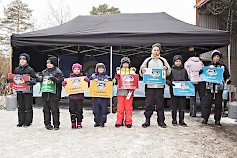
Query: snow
x=195, y=140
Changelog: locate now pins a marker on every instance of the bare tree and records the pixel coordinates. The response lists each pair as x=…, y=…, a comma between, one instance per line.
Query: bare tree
x=58, y=14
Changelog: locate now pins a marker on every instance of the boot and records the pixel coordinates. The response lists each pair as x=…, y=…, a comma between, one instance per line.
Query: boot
x=56, y=127
x=174, y=117
x=102, y=125
x=49, y=127
x=181, y=119
x=192, y=111
x=96, y=125
x=79, y=125
x=73, y=125
x=147, y=123
x=204, y=121
x=218, y=123
x=162, y=125
x=129, y=126
x=20, y=124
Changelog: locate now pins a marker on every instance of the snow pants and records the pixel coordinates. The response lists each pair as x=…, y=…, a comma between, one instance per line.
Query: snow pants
x=51, y=108
x=100, y=109
x=124, y=106
x=207, y=104
x=25, y=110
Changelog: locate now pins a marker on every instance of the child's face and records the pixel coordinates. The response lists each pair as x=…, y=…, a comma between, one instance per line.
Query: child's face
x=216, y=58
x=101, y=70
x=76, y=71
x=178, y=63
x=22, y=61
x=125, y=65
x=49, y=64
x=155, y=51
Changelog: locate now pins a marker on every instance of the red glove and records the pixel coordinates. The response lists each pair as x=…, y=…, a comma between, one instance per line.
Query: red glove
x=117, y=76
x=64, y=83
x=86, y=79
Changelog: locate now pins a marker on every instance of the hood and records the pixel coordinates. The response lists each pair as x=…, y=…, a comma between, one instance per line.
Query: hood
x=194, y=59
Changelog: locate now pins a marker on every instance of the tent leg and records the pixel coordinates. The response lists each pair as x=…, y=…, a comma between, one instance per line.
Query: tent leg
x=228, y=51
x=111, y=74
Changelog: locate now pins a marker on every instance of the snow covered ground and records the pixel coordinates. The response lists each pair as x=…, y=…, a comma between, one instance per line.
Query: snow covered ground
x=193, y=141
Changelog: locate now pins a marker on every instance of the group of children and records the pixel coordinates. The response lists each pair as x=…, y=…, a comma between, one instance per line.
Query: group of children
x=154, y=92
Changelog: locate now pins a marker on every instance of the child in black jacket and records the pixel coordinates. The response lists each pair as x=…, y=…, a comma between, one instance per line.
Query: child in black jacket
x=51, y=100
x=178, y=73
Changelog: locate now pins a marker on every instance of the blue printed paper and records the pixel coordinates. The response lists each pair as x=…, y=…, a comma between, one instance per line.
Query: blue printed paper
x=183, y=88
x=154, y=76
x=212, y=74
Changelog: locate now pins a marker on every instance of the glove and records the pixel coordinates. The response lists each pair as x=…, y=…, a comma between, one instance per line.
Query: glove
x=228, y=81
x=169, y=83
x=9, y=80
x=39, y=79
x=28, y=83
x=117, y=76
x=86, y=79
x=54, y=79
x=64, y=83
x=201, y=71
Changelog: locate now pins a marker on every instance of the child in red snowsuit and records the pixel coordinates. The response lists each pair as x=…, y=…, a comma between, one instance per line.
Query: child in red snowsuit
x=124, y=104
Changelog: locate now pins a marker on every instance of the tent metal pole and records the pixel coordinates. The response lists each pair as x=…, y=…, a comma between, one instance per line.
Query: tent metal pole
x=111, y=74
x=228, y=54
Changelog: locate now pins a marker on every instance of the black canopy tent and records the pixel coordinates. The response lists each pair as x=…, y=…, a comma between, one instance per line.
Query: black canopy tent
x=117, y=33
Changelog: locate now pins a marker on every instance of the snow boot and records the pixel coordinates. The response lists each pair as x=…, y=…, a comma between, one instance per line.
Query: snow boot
x=217, y=123
x=79, y=125
x=162, y=125
x=74, y=125
x=96, y=125
x=20, y=124
x=181, y=119
x=129, y=126
x=147, y=123
x=174, y=117
x=49, y=127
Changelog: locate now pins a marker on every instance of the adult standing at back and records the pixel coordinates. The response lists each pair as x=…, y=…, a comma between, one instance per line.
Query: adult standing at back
x=193, y=65
x=155, y=92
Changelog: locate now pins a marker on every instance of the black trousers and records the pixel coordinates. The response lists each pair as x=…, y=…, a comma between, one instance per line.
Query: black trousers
x=155, y=102
x=178, y=103
x=51, y=108
x=200, y=88
x=76, y=110
x=207, y=104
x=25, y=110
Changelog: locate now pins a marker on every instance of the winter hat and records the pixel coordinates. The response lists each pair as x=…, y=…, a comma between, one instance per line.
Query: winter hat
x=216, y=52
x=53, y=60
x=76, y=65
x=125, y=60
x=99, y=65
x=177, y=57
x=157, y=45
x=26, y=56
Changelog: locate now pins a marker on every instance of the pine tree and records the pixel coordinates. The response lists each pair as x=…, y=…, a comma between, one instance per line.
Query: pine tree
x=104, y=9
x=17, y=17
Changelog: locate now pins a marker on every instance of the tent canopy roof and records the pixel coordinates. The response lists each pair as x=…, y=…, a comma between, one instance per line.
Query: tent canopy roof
x=123, y=30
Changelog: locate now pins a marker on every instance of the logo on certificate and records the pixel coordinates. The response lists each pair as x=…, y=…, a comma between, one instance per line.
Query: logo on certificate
x=128, y=78
x=155, y=73
x=101, y=85
x=18, y=79
x=184, y=86
x=211, y=72
x=76, y=81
